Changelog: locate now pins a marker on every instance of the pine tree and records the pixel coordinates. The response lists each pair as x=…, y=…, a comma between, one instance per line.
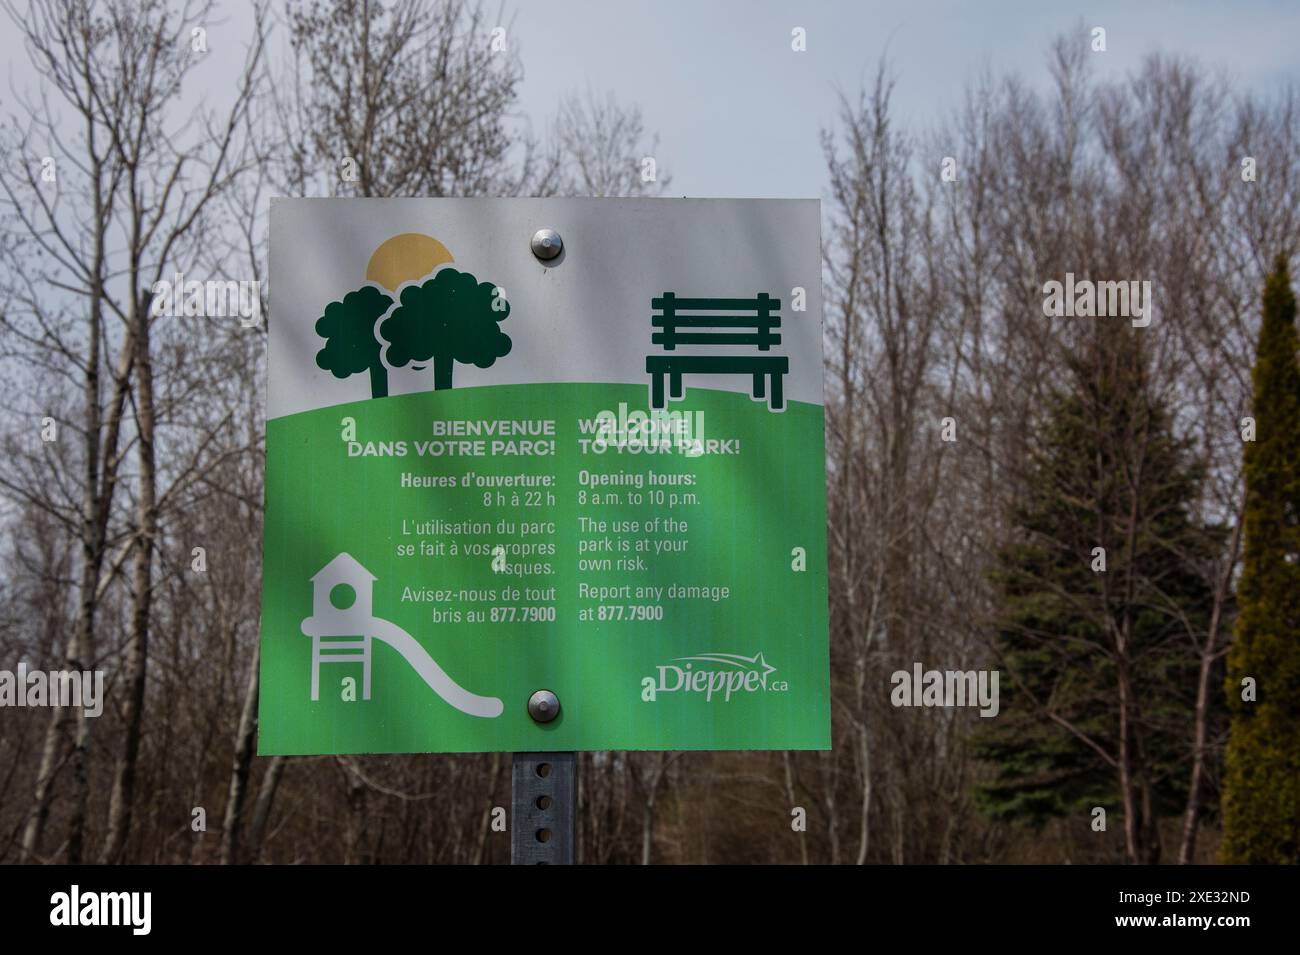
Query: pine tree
x=1085, y=651
x=1261, y=792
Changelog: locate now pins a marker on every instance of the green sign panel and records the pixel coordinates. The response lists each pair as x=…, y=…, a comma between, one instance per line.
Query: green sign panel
x=599, y=473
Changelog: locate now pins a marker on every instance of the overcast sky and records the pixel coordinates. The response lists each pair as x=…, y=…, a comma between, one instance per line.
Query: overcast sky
x=738, y=112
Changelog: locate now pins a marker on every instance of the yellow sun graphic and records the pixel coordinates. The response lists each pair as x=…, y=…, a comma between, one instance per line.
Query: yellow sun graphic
x=410, y=255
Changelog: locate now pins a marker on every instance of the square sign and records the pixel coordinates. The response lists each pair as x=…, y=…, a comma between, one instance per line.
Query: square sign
x=571, y=445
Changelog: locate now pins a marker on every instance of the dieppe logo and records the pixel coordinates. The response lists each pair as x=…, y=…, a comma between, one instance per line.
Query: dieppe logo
x=713, y=674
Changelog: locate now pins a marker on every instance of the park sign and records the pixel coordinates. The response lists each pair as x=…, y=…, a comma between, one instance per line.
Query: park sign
x=564, y=445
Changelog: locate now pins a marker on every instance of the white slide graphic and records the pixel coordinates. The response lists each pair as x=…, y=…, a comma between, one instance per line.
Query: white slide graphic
x=343, y=629
x=432, y=674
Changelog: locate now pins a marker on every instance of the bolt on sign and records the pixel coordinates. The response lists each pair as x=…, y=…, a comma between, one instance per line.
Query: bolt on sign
x=528, y=445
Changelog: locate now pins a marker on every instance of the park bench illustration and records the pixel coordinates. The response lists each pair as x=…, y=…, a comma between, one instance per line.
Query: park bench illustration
x=701, y=321
x=343, y=629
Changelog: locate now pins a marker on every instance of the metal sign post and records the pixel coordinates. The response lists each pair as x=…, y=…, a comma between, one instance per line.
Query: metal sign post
x=543, y=808
x=543, y=797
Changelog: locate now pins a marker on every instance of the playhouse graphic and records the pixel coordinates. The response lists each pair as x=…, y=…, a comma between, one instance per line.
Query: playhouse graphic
x=415, y=312
x=343, y=629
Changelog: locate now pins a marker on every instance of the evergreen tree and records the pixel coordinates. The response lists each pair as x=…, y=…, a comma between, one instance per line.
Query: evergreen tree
x=1261, y=792
x=1086, y=651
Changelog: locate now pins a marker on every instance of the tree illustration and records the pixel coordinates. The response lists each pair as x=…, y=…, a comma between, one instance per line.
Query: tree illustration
x=452, y=317
x=351, y=347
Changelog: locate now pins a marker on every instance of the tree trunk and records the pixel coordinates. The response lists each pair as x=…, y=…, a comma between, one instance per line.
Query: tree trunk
x=244, y=739
x=480, y=850
x=96, y=501
x=791, y=797
x=121, y=802
x=830, y=779
x=1132, y=839
x=262, y=808
x=1200, y=730
x=1191, y=816
x=864, y=745
x=51, y=752
x=648, y=830
x=442, y=366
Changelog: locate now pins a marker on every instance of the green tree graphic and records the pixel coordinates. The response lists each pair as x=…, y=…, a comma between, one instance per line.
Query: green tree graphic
x=450, y=318
x=1261, y=780
x=351, y=347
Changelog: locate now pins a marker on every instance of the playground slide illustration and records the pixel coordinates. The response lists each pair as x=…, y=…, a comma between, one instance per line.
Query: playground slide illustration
x=432, y=674
x=343, y=629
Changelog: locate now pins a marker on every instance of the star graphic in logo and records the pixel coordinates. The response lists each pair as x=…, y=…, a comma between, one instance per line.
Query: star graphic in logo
x=763, y=664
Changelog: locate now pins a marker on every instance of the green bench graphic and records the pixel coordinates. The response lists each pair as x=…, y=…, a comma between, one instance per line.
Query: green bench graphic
x=751, y=321
x=766, y=316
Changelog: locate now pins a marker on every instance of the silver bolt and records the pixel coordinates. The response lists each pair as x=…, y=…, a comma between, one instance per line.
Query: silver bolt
x=543, y=706
x=547, y=244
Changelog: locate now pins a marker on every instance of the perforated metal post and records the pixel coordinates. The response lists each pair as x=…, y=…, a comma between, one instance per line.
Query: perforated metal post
x=543, y=808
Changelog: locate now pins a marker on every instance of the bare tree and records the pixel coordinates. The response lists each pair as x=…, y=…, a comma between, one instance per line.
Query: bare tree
x=601, y=148
x=117, y=67
x=409, y=98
